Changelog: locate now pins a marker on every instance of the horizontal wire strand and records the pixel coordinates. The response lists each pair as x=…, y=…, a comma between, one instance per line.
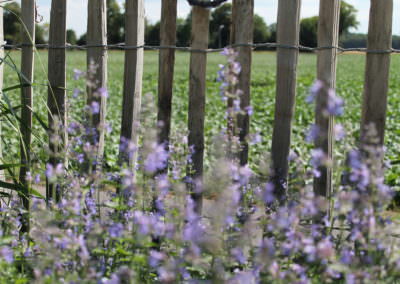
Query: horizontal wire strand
x=122, y=46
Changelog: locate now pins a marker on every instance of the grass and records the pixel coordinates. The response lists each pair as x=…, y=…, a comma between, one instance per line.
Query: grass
x=349, y=85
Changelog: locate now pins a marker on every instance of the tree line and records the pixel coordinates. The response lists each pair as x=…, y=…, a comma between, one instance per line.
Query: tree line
x=220, y=26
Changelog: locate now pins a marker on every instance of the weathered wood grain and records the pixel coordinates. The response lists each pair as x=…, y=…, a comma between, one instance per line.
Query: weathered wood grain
x=288, y=26
x=197, y=100
x=97, y=67
x=1, y=81
x=166, y=70
x=242, y=33
x=133, y=76
x=377, y=72
x=28, y=15
x=328, y=35
x=56, y=97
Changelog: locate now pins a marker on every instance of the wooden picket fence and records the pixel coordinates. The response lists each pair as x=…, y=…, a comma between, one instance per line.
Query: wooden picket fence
x=288, y=23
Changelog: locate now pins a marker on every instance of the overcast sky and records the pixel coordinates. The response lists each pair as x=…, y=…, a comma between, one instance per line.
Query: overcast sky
x=77, y=12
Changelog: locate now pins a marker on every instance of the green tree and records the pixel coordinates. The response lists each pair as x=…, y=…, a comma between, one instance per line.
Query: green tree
x=152, y=34
x=220, y=25
x=13, y=27
x=348, y=18
x=183, y=30
x=309, y=26
x=261, y=32
x=308, y=31
x=272, y=32
x=115, y=22
x=221, y=21
x=81, y=40
x=71, y=37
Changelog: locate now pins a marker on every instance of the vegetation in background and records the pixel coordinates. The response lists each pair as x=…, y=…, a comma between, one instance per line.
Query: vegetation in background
x=347, y=21
x=149, y=232
x=12, y=26
x=220, y=24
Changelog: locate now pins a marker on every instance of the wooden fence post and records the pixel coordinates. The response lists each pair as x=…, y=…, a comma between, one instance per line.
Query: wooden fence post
x=377, y=71
x=97, y=68
x=166, y=70
x=133, y=76
x=56, y=97
x=287, y=56
x=197, y=100
x=242, y=33
x=328, y=35
x=2, y=177
x=28, y=14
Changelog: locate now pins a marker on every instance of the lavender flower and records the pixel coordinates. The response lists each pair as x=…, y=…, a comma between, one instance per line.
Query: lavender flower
x=157, y=159
x=78, y=74
x=116, y=230
x=7, y=254
x=313, y=133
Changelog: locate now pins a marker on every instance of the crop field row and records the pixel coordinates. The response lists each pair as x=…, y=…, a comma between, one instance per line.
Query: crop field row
x=349, y=86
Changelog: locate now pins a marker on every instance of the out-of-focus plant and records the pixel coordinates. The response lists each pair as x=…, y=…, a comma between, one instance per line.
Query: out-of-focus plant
x=150, y=232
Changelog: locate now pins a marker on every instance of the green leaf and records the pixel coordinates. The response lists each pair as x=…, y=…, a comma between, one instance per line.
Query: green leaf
x=19, y=86
x=9, y=166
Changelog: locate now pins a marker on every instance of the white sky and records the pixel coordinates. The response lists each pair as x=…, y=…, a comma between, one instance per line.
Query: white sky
x=266, y=8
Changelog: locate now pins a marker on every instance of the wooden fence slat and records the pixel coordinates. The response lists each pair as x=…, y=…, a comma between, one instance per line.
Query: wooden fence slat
x=56, y=99
x=166, y=69
x=133, y=76
x=97, y=35
x=242, y=33
x=28, y=14
x=197, y=99
x=377, y=70
x=328, y=35
x=1, y=82
x=288, y=26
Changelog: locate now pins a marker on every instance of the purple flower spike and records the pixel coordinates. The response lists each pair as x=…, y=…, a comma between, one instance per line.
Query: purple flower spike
x=116, y=230
x=314, y=90
x=249, y=110
x=7, y=254
x=103, y=92
x=335, y=103
x=339, y=132
x=157, y=159
x=76, y=93
x=95, y=107
x=312, y=133
x=78, y=74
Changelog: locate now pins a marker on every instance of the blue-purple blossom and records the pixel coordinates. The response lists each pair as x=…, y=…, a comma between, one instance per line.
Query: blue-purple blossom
x=346, y=256
x=339, y=132
x=76, y=93
x=268, y=194
x=78, y=74
x=249, y=110
x=103, y=92
x=156, y=159
x=335, y=103
x=7, y=254
x=314, y=90
x=313, y=133
x=318, y=158
x=52, y=172
x=116, y=230
x=95, y=107
x=238, y=254
x=37, y=179
x=155, y=258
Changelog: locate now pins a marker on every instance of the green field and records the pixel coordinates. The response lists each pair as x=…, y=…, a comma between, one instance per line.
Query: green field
x=349, y=86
